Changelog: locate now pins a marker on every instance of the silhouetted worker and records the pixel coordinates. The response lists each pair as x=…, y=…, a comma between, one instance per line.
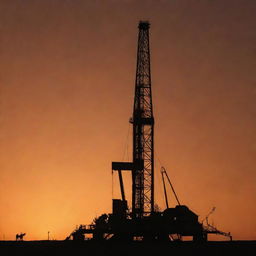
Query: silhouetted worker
x=20, y=236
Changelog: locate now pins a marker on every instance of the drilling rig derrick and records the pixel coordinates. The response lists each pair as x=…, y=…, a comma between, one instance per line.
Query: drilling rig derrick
x=142, y=167
x=143, y=222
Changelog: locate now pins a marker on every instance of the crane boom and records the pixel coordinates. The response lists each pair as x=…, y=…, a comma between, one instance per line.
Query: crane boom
x=163, y=171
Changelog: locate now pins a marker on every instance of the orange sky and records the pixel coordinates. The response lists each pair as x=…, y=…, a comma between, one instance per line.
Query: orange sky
x=67, y=72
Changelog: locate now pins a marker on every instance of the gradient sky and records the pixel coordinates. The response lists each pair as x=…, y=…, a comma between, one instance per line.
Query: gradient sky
x=67, y=71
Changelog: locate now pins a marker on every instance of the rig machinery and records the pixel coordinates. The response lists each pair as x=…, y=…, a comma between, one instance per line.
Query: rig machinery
x=143, y=222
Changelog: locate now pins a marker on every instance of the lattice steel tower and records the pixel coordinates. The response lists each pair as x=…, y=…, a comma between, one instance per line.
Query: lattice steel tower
x=143, y=130
x=142, y=166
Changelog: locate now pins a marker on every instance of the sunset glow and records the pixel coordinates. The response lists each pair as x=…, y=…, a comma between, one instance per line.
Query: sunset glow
x=66, y=96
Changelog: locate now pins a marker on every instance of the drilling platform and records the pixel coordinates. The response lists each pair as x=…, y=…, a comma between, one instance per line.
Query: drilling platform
x=143, y=222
